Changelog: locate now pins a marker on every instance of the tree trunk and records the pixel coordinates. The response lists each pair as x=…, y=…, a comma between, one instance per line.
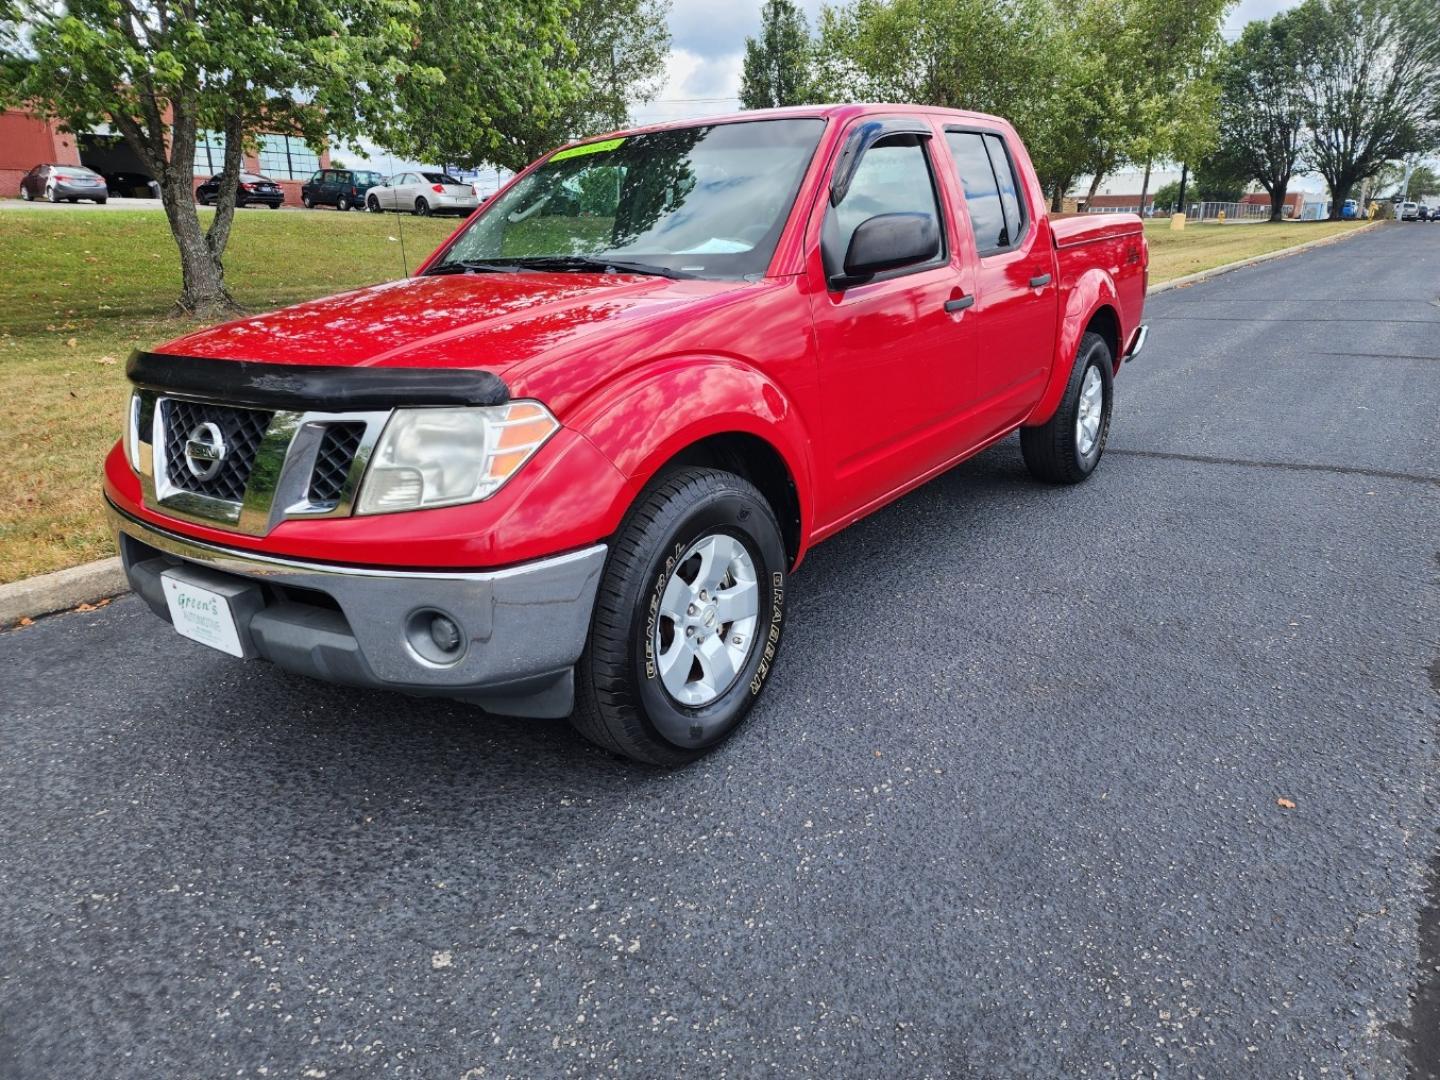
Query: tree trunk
x=1277, y=187
x=1094, y=187
x=1057, y=198
x=1145, y=187
x=218, y=235
x=202, y=277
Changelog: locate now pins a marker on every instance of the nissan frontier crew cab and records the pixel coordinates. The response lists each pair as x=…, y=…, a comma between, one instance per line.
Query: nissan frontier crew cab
x=568, y=468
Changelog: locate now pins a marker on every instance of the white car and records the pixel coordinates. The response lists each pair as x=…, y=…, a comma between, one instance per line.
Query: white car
x=422, y=193
x=1409, y=211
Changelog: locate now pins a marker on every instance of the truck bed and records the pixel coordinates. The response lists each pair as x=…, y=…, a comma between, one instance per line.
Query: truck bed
x=1074, y=229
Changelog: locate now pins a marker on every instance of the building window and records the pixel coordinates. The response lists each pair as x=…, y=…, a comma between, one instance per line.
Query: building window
x=285, y=157
x=209, y=153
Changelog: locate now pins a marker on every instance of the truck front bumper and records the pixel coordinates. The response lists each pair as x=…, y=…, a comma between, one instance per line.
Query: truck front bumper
x=521, y=628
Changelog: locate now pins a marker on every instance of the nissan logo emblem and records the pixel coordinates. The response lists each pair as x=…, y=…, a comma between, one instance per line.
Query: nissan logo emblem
x=204, y=451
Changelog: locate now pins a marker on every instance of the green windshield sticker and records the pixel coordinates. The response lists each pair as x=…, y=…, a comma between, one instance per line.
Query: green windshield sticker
x=587, y=148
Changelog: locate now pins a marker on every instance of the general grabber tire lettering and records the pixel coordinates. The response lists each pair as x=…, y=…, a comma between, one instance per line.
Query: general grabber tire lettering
x=1066, y=449
x=687, y=621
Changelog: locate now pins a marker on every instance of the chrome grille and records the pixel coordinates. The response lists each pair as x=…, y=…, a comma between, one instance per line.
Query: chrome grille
x=242, y=430
x=333, y=461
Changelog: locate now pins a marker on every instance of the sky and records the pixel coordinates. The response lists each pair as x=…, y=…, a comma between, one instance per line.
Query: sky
x=702, y=73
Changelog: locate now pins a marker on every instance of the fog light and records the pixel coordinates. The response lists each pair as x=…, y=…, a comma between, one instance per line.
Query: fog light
x=434, y=636
x=445, y=634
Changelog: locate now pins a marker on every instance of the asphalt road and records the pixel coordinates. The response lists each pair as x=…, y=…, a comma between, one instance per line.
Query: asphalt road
x=1008, y=808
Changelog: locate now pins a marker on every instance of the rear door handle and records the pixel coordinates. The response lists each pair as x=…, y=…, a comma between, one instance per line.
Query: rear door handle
x=960, y=303
x=1040, y=282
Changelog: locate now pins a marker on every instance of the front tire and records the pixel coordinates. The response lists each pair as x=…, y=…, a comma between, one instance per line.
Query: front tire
x=687, y=621
x=307, y=202
x=1067, y=448
x=372, y=204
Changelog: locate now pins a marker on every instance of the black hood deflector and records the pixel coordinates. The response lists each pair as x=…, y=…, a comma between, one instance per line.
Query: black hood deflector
x=300, y=387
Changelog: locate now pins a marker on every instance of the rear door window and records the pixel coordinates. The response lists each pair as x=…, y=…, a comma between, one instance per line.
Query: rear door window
x=982, y=192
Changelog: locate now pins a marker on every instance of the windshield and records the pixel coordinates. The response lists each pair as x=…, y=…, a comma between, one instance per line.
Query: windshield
x=701, y=201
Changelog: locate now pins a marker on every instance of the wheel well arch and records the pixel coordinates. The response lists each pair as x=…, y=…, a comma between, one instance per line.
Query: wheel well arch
x=759, y=462
x=1105, y=322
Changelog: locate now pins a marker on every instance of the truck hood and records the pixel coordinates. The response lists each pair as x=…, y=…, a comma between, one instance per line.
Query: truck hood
x=490, y=321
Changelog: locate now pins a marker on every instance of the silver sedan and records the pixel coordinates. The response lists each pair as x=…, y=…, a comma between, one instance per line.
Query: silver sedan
x=422, y=193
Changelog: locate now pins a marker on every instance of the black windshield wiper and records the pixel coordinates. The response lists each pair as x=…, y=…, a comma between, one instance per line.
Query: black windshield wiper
x=596, y=262
x=470, y=266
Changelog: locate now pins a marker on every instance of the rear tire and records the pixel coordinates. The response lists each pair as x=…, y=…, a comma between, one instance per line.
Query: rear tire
x=1067, y=448
x=664, y=690
x=307, y=202
x=343, y=203
x=422, y=208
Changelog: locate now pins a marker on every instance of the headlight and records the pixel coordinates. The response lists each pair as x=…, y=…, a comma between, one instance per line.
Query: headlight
x=440, y=457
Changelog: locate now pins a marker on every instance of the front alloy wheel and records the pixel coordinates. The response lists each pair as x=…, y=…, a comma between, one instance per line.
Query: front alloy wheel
x=687, y=621
x=706, y=627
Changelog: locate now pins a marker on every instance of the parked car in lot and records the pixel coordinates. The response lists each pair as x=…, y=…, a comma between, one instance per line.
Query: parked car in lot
x=68, y=182
x=1422, y=212
x=1409, y=211
x=254, y=190
x=131, y=185
x=423, y=193
x=343, y=189
x=570, y=466
x=1350, y=210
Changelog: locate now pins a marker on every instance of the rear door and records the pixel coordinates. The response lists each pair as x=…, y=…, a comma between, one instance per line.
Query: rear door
x=1016, y=297
x=894, y=352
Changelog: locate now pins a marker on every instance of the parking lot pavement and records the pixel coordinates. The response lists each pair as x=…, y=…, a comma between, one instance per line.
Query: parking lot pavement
x=1012, y=805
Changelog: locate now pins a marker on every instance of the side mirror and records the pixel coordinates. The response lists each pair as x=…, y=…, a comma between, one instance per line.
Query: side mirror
x=888, y=242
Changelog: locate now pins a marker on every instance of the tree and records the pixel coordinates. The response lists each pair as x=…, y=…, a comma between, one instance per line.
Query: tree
x=571, y=68
x=1371, y=86
x=477, y=82
x=163, y=73
x=1262, y=112
x=777, y=65
x=991, y=56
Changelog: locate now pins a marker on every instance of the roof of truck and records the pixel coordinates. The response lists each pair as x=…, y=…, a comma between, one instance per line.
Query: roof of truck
x=796, y=112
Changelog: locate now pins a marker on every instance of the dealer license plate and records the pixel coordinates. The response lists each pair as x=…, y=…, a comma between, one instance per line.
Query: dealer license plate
x=201, y=614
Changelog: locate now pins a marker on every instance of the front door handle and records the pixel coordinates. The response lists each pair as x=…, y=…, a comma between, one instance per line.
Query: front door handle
x=960, y=303
x=1040, y=282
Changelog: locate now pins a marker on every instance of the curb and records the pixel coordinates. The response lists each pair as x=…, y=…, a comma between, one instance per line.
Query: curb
x=61, y=590
x=64, y=589
x=1279, y=253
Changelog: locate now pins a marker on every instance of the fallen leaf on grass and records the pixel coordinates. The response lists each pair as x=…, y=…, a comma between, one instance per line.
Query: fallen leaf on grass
x=1284, y=803
x=70, y=343
x=107, y=360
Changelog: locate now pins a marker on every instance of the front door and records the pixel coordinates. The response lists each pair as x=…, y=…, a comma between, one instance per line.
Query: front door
x=895, y=353
x=1016, y=305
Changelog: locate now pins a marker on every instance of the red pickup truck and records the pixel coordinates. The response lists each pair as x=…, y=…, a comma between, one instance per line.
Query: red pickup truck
x=568, y=467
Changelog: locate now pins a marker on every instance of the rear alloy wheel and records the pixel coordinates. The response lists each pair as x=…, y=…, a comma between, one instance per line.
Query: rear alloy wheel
x=1066, y=449
x=50, y=195
x=343, y=203
x=687, y=620
x=422, y=208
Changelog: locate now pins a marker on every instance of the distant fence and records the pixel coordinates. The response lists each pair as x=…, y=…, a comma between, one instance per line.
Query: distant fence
x=1197, y=211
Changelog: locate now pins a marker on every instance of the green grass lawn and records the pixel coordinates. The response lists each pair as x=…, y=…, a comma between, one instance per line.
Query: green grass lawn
x=1200, y=247
x=80, y=289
